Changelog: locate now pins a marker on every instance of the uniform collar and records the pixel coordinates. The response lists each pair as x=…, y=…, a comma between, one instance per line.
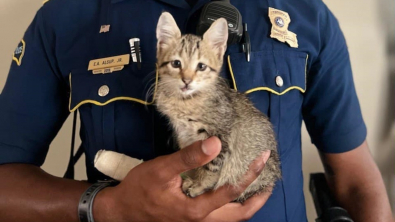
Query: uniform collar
x=176, y=3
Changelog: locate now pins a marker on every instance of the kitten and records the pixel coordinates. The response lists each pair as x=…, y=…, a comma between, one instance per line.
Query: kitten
x=200, y=104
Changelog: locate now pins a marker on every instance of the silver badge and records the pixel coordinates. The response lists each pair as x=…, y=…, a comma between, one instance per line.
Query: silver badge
x=279, y=21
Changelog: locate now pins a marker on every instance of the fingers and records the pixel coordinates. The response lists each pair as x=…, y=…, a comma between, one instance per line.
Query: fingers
x=237, y=211
x=228, y=212
x=223, y=195
x=254, y=203
x=193, y=156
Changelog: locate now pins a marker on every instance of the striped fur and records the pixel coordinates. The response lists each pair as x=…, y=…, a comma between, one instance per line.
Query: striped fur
x=200, y=104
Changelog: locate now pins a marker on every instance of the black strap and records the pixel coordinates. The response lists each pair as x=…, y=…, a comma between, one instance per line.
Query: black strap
x=73, y=158
x=85, y=212
x=327, y=208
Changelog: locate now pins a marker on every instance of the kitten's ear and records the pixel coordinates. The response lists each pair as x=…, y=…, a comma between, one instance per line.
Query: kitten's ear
x=166, y=30
x=217, y=36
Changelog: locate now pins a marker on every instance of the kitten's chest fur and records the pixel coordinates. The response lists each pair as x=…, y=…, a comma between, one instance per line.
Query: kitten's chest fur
x=198, y=117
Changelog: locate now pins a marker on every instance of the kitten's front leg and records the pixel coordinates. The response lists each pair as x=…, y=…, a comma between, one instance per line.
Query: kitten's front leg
x=187, y=136
x=204, y=178
x=206, y=181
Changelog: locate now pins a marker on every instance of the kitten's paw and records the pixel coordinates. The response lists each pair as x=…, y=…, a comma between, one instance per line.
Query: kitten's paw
x=192, y=189
x=186, y=184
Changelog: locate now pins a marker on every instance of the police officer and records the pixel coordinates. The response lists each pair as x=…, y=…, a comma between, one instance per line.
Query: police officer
x=299, y=69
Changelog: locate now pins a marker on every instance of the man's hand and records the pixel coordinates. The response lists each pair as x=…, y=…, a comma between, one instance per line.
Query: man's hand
x=237, y=211
x=152, y=190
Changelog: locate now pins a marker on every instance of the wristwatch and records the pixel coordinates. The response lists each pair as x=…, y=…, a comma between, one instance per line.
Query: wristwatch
x=86, y=201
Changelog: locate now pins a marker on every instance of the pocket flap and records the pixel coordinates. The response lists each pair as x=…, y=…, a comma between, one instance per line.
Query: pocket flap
x=119, y=85
x=275, y=71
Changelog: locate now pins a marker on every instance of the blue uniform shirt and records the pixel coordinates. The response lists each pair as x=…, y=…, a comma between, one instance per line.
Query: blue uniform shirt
x=49, y=77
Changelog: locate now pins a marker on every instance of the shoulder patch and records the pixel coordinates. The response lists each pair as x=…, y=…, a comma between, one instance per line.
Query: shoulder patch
x=19, y=52
x=45, y=1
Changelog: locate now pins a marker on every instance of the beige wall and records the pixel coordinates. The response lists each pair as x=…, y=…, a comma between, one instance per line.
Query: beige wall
x=367, y=26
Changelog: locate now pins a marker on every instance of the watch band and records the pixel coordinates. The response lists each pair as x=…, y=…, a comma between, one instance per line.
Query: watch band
x=86, y=201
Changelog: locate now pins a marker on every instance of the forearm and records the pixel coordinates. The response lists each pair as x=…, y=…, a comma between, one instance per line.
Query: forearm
x=27, y=193
x=357, y=185
x=366, y=202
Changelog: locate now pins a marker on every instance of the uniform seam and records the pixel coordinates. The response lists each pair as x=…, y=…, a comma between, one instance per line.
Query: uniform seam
x=269, y=3
x=2, y=144
x=300, y=201
x=278, y=136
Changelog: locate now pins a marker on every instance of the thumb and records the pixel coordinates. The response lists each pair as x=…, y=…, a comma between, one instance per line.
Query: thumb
x=193, y=156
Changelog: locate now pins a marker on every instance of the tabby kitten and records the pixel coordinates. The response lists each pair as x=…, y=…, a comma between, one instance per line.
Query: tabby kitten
x=200, y=104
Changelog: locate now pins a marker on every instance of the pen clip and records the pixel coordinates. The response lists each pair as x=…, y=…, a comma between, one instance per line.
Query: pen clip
x=135, y=51
x=246, y=43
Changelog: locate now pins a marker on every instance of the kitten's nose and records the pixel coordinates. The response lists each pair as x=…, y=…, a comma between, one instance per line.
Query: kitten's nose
x=186, y=80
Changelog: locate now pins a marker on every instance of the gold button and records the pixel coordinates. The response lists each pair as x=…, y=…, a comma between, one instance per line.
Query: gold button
x=279, y=81
x=104, y=90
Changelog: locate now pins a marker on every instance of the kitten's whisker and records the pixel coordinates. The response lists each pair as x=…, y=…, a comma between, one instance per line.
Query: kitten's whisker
x=150, y=92
x=153, y=79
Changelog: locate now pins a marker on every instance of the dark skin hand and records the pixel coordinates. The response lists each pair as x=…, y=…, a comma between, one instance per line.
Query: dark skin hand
x=158, y=195
x=151, y=192
x=356, y=183
x=238, y=211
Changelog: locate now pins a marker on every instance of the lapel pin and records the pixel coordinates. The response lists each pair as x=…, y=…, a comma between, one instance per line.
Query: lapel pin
x=104, y=28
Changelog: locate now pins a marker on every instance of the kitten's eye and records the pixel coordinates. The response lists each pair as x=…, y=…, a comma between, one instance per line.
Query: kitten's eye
x=176, y=63
x=201, y=67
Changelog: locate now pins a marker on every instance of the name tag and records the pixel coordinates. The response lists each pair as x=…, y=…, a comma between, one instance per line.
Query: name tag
x=108, y=65
x=107, y=70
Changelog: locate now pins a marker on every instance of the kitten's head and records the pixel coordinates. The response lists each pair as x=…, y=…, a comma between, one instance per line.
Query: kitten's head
x=189, y=64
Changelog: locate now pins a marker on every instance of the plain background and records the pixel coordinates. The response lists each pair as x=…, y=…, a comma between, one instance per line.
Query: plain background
x=369, y=27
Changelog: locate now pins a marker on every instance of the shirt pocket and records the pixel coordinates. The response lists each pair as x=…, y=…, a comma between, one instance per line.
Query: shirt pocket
x=128, y=84
x=275, y=82
x=116, y=109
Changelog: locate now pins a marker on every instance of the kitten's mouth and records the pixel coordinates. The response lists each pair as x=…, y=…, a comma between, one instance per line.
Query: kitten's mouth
x=185, y=89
